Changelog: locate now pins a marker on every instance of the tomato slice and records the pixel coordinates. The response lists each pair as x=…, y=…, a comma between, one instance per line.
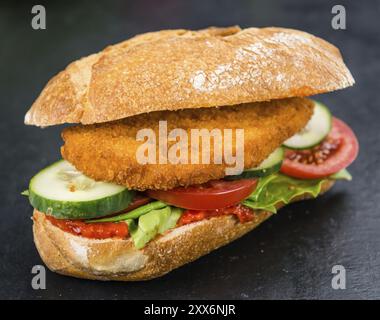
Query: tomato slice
x=215, y=194
x=336, y=152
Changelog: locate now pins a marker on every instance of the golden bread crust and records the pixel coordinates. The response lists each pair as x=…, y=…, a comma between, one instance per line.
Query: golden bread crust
x=180, y=69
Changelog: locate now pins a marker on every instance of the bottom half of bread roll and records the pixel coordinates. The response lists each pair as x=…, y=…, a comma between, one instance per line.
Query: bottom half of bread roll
x=118, y=259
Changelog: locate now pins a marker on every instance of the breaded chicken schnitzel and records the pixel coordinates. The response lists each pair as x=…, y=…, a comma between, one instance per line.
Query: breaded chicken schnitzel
x=107, y=151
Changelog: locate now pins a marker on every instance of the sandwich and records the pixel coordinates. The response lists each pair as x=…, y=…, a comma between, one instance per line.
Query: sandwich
x=180, y=142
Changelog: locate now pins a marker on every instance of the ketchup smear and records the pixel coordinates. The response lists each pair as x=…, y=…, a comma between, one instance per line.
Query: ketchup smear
x=243, y=213
x=104, y=230
x=99, y=230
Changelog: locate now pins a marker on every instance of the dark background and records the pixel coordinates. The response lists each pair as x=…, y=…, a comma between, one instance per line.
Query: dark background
x=289, y=256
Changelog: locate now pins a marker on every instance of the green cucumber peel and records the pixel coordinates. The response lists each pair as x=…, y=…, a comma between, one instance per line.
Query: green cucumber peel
x=81, y=210
x=315, y=131
x=269, y=166
x=65, y=193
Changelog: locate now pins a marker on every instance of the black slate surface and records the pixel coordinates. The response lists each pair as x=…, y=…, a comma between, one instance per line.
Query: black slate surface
x=289, y=256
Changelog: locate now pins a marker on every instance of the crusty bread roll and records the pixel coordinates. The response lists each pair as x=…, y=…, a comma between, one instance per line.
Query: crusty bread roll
x=177, y=69
x=173, y=70
x=114, y=259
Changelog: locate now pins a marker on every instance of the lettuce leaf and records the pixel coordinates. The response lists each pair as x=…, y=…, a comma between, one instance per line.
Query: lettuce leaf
x=152, y=223
x=341, y=175
x=153, y=219
x=278, y=188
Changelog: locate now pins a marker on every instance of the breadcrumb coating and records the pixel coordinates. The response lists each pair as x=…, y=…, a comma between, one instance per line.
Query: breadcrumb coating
x=107, y=151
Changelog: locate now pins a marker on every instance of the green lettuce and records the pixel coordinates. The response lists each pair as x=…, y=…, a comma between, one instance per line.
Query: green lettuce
x=155, y=222
x=154, y=218
x=341, y=175
x=278, y=188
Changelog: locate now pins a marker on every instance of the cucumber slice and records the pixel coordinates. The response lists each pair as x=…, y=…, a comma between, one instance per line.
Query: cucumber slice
x=315, y=131
x=65, y=193
x=270, y=165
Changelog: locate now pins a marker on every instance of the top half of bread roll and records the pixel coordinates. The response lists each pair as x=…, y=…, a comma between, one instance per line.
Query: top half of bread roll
x=180, y=69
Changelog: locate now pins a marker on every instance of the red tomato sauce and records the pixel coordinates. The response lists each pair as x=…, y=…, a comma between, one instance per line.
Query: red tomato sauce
x=243, y=213
x=99, y=230
x=105, y=230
